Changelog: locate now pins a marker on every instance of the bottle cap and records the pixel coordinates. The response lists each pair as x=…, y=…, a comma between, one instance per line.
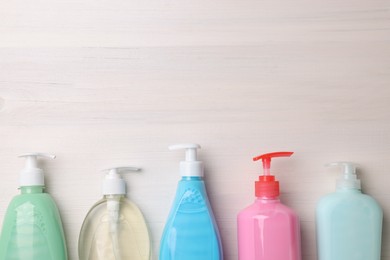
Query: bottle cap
x=348, y=179
x=113, y=184
x=189, y=167
x=31, y=175
x=267, y=186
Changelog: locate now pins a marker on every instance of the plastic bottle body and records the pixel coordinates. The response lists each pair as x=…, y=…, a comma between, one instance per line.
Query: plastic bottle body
x=349, y=226
x=32, y=228
x=268, y=230
x=191, y=232
x=114, y=229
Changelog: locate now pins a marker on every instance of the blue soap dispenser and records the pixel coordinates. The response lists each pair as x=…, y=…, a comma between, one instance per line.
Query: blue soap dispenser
x=191, y=232
x=349, y=223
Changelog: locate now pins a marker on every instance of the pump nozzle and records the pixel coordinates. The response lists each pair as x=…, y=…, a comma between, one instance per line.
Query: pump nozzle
x=31, y=175
x=189, y=167
x=267, y=186
x=113, y=183
x=348, y=179
x=266, y=159
x=190, y=150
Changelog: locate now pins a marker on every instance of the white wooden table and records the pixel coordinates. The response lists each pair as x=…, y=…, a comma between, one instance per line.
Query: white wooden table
x=108, y=83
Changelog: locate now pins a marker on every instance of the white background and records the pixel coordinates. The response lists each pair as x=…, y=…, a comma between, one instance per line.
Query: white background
x=107, y=83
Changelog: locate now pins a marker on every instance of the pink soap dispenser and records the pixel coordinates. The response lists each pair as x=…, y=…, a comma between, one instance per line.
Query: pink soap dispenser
x=267, y=229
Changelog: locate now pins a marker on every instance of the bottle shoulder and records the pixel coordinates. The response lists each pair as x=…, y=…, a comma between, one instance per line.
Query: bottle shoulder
x=191, y=195
x=350, y=196
x=100, y=208
x=264, y=207
x=122, y=201
x=343, y=199
x=43, y=195
x=191, y=205
x=193, y=184
x=38, y=200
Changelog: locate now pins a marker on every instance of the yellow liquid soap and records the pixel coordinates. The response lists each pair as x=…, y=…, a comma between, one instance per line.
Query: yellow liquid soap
x=114, y=229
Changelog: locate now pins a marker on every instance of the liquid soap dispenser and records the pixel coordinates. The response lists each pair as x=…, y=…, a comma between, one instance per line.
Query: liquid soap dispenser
x=349, y=223
x=267, y=229
x=191, y=232
x=32, y=227
x=114, y=228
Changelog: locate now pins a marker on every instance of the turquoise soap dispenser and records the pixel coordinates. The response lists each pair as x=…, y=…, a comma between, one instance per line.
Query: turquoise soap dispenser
x=191, y=232
x=32, y=228
x=349, y=223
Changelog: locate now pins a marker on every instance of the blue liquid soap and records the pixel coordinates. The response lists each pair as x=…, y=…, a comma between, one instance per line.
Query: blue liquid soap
x=191, y=232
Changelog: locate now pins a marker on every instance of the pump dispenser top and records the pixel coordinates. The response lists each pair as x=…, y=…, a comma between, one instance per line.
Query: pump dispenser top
x=32, y=175
x=191, y=167
x=267, y=186
x=348, y=179
x=113, y=184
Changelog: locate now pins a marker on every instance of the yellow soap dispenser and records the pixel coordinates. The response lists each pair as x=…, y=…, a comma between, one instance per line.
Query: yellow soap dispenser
x=114, y=228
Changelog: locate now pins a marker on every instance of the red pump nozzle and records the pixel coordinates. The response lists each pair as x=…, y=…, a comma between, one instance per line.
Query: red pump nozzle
x=267, y=186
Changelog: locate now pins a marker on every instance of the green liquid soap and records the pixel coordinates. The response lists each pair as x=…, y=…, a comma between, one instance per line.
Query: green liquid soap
x=32, y=227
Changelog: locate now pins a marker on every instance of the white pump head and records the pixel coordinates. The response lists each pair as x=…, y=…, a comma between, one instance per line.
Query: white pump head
x=348, y=179
x=189, y=167
x=113, y=183
x=31, y=175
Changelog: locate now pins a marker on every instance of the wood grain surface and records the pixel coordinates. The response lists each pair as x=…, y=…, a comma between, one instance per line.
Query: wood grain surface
x=108, y=83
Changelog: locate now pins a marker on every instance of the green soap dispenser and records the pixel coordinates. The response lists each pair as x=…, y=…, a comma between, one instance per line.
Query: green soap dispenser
x=32, y=228
x=114, y=228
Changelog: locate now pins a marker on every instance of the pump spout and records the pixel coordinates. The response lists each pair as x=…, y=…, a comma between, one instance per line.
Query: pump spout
x=348, y=179
x=113, y=183
x=123, y=169
x=32, y=158
x=191, y=166
x=267, y=186
x=31, y=174
x=190, y=150
x=348, y=167
x=266, y=159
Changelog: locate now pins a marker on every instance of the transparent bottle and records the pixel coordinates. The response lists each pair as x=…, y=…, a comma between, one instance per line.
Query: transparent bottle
x=114, y=228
